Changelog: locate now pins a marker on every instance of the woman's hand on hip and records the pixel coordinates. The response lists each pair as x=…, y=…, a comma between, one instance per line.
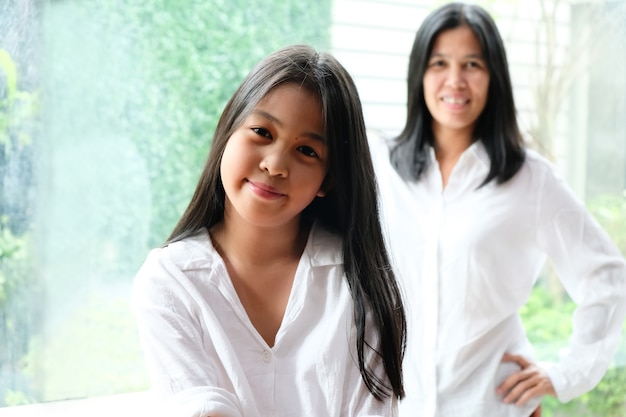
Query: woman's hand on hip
x=529, y=382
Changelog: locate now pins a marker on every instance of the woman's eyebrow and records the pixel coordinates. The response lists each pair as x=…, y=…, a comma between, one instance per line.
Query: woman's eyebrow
x=472, y=55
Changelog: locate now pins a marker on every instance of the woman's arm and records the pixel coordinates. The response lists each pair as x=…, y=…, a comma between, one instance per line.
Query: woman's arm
x=593, y=273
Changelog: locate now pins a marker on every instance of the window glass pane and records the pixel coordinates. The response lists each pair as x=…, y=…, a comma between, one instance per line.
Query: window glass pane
x=127, y=95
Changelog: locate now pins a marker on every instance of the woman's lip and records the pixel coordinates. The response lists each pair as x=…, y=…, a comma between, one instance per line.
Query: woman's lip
x=264, y=190
x=458, y=100
x=454, y=103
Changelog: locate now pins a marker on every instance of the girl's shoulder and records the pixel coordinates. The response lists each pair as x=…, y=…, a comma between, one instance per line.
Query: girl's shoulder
x=178, y=270
x=174, y=275
x=324, y=247
x=192, y=253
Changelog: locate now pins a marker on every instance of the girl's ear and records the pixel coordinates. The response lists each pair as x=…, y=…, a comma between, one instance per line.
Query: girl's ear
x=326, y=185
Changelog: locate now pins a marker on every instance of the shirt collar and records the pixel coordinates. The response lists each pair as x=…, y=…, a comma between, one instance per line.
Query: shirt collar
x=476, y=150
x=323, y=247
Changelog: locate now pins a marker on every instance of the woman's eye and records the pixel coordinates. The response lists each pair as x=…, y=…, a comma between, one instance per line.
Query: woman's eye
x=308, y=151
x=437, y=63
x=262, y=132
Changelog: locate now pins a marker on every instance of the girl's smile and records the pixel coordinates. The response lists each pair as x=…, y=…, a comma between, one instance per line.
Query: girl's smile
x=265, y=191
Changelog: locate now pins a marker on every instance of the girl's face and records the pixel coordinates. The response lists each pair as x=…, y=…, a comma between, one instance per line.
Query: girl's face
x=456, y=81
x=274, y=164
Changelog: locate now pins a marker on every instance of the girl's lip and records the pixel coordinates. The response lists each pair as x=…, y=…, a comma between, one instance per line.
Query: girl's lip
x=264, y=190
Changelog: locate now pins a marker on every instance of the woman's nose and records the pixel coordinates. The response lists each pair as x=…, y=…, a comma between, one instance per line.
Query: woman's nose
x=455, y=77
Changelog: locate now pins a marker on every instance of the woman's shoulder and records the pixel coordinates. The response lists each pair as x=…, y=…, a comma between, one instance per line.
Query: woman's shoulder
x=378, y=141
x=381, y=146
x=547, y=180
x=539, y=166
x=535, y=157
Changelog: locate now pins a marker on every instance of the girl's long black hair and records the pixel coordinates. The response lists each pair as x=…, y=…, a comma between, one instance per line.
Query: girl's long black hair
x=350, y=207
x=497, y=125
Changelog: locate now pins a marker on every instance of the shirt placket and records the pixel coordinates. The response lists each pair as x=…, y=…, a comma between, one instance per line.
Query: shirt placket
x=430, y=299
x=268, y=368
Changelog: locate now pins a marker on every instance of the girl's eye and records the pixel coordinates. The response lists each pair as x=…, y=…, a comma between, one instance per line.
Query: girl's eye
x=473, y=64
x=262, y=132
x=308, y=151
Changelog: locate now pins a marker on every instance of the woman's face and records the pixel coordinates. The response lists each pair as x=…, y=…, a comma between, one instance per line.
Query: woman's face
x=456, y=82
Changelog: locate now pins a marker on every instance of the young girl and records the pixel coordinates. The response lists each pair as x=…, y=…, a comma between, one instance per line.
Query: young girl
x=472, y=216
x=273, y=296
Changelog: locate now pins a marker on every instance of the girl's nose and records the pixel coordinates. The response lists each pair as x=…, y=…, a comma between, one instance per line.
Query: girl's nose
x=274, y=164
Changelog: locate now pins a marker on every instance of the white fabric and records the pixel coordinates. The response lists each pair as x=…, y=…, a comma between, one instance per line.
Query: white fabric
x=206, y=358
x=468, y=259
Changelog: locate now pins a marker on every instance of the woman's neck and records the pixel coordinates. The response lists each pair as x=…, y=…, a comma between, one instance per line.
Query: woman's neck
x=449, y=145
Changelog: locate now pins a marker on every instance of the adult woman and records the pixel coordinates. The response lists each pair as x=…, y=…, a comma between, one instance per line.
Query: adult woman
x=479, y=215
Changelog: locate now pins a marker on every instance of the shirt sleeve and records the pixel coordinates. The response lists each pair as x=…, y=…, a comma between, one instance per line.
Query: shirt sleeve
x=593, y=273
x=184, y=373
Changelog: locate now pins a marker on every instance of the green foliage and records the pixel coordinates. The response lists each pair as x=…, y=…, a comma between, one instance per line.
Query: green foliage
x=10, y=74
x=17, y=109
x=18, y=312
x=176, y=63
x=548, y=324
x=198, y=52
x=608, y=399
x=18, y=286
x=610, y=211
x=12, y=250
x=13, y=398
x=131, y=93
x=103, y=357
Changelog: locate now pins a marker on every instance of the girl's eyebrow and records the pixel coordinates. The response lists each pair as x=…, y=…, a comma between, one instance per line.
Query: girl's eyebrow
x=273, y=119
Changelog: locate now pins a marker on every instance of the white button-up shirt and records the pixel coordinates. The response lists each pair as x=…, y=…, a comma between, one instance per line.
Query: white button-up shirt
x=207, y=359
x=468, y=258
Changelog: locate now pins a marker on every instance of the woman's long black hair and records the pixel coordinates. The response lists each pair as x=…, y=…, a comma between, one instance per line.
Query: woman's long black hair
x=349, y=208
x=497, y=125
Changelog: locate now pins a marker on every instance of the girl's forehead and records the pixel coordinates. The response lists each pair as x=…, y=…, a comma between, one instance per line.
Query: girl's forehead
x=300, y=87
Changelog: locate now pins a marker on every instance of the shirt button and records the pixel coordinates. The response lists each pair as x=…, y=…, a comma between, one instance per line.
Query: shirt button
x=267, y=356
